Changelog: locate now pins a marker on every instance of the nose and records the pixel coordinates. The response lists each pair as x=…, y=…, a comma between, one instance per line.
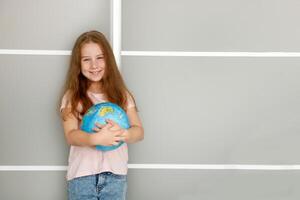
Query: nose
x=95, y=64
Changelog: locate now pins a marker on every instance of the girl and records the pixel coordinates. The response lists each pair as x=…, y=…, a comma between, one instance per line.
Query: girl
x=93, y=77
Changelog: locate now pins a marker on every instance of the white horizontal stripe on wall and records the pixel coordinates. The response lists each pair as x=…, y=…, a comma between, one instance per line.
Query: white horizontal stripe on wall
x=214, y=167
x=161, y=166
x=34, y=52
x=158, y=53
x=32, y=168
x=210, y=54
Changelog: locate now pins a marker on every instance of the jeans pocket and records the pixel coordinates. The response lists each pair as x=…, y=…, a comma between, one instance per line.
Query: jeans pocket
x=81, y=187
x=119, y=176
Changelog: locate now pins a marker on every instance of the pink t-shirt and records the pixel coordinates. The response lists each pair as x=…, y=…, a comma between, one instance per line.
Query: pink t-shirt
x=85, y=161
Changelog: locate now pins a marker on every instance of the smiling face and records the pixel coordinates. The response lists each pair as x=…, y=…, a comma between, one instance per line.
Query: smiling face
x=92, y=62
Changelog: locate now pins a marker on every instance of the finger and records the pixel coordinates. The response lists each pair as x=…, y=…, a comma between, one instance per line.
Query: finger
x=106, y=126
x=109, y=121
x=114, y=126
x=95, y=129
x=98, y=125
x=115, y=143
x=118, y=133
x=121, y=139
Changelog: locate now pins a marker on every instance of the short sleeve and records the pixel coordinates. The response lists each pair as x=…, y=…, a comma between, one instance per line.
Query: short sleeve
x=65, y=102
x=130, y=101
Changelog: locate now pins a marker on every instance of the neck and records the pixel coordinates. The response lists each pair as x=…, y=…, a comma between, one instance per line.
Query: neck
x=95, y=87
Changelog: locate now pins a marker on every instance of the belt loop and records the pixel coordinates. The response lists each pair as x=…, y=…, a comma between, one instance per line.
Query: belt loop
x=97, y=178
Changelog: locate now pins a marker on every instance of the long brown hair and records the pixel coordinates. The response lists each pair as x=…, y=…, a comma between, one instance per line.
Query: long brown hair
x=113, y=85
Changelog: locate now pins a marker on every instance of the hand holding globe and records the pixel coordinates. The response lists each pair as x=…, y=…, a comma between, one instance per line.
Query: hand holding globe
x=110, y=119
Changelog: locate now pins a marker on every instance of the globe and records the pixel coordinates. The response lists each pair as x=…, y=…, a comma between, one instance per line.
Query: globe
x=99, y=113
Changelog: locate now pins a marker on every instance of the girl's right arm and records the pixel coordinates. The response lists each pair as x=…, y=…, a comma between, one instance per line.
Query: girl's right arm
x=76, y=137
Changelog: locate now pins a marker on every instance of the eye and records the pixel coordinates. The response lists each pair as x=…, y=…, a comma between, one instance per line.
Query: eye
x=85, y=59
x=100, y=57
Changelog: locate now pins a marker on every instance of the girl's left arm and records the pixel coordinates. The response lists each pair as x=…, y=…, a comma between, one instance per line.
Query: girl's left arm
x=136, y=132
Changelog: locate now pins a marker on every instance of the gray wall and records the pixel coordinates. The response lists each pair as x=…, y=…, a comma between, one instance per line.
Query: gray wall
x=31, y=132
x=214, y=110
x=195, y=110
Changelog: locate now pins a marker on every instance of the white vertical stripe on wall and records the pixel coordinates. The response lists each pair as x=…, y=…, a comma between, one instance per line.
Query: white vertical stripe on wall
x=116, y=29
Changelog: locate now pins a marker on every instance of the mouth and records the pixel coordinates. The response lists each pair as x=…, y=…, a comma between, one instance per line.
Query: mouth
x=95, y=72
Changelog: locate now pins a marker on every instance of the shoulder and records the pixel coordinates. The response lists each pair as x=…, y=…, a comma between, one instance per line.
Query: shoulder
x=66, y=100
x=130, y=100
x=66, y=106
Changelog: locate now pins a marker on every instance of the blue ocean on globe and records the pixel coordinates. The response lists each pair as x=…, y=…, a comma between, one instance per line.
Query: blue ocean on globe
x=99, y=113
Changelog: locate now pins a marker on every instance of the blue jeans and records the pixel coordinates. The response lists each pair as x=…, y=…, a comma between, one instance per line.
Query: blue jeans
x=103, y=186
